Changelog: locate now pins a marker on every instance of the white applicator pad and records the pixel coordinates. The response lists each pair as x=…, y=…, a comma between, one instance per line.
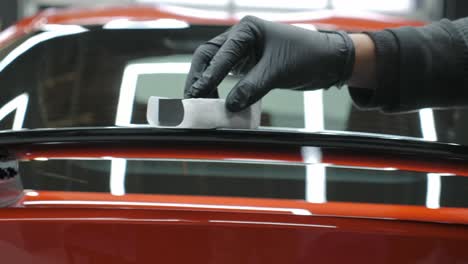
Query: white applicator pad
x=199, y=113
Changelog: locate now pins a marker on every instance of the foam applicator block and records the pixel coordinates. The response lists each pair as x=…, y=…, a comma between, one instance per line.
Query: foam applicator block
x=199, y=113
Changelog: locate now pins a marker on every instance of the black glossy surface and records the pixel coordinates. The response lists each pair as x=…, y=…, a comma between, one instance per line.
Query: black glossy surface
x=400, y=146
x=238, y=179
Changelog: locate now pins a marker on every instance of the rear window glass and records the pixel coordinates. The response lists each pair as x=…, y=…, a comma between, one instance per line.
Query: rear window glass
x=314, y=183
x=91, y=76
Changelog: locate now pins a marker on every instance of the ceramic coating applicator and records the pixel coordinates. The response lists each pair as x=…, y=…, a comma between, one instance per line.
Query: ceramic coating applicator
x=199, y=113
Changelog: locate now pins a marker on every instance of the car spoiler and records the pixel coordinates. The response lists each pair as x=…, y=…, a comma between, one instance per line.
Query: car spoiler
x=258, y=137
x=224, y=144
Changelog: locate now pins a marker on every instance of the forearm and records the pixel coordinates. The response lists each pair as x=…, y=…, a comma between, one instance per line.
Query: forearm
x=412, y=67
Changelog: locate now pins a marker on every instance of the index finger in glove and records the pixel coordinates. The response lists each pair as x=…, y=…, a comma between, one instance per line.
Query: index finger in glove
x=239, y=40
x=200, y=61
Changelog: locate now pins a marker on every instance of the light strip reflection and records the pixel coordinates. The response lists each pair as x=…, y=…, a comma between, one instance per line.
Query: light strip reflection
x=217, y=3
x=313, y=111
x=34, y=40
x=117, y=176
x=129, y=83
x=296, y=4
x=316, y=182
x=433, y=190
x=20, y=104
x=92, y=219
x=295, y=211
x=428, y=128
x=400, y=6
x=269, y=223
x=163, y=23
x=198, y=12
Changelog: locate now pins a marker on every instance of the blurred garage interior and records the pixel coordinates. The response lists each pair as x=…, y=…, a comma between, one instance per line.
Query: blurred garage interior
x=334, y=110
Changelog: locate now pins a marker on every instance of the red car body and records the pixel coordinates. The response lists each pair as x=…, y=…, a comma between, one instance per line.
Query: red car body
x=75, y=227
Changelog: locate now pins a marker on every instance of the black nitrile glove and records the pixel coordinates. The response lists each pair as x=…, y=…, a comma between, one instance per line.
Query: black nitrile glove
x=269, y=55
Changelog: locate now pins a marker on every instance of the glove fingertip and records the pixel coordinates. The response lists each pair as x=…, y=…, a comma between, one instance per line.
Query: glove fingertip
x=234, y=102
x=233, y=106
x=239, y=97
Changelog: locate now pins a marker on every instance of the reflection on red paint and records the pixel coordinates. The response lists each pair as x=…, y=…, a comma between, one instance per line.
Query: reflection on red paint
x=125, y=234
x=326, y=19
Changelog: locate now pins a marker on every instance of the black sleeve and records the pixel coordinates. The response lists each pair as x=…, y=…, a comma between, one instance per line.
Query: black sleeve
x=419, y=67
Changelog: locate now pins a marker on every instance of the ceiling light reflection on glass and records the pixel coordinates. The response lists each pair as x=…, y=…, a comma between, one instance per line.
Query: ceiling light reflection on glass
x=196, y=12
x=163, y=23
x=36, y=39
x=19, y=104
x=117, y=176
x=291, y=4
x=399, y=6
x=287, y=16
x=63, y=28
x=434, y=189
x=190, y=2
x=428, y=127
x=129, y=82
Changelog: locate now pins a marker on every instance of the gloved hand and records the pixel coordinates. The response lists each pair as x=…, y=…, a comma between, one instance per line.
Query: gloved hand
x=269, y=55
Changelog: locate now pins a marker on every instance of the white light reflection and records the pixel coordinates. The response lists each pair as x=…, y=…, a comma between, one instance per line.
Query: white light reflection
x=36, y=39
x=117, y=176
x=434, y=189
x=217, y=3
x=316, y=182
x=295, y=211
x=269, y=223
x=31, y=193
x=287, y=16
x=312, y=15
x=290, y=4
x=363, y=168
x=129, y=82
x=20, y=104
x=195, y=12
x=313, y=111
x=163, y=23
x=63, y=28
x=7, y=33
x=384, y=6
x=93, y=219
x=428, y=128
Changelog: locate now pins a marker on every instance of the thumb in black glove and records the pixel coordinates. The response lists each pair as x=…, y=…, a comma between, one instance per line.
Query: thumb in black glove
x=269, y=55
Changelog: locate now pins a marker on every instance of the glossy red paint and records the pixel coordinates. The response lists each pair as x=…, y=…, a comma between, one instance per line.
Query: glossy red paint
x=327, y=17
x=170, y=151
x=434, y=165
x=67, y=227
x=52, y=199
x=100, y=16
x=110, y=235
x=235, y=152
